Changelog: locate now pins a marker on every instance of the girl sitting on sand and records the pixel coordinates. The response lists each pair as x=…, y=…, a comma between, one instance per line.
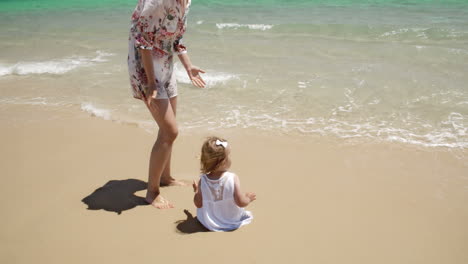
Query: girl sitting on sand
x=218, y=196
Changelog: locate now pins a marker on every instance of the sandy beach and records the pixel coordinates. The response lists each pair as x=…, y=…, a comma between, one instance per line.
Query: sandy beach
x=318, y=202
x=348, y=119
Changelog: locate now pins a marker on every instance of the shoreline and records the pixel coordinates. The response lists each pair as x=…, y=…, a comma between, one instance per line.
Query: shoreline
x=317, y=201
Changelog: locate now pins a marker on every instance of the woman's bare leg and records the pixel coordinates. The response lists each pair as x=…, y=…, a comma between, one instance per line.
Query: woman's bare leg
x=166, y=177
x=165, y=118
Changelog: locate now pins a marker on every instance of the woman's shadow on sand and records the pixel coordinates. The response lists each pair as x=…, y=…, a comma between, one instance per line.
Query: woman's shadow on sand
x=116, y=196
x=119, y=195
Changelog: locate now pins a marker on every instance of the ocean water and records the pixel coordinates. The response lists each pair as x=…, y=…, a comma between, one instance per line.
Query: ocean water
x=357, y=71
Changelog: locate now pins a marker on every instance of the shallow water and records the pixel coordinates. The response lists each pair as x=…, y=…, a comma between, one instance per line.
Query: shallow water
x=359, y=71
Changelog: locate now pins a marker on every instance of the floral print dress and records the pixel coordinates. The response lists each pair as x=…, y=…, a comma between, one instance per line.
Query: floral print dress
x=157, y=25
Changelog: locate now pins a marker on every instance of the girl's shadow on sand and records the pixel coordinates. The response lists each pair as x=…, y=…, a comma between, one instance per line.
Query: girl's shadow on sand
x=116, y=196
x=190, y=225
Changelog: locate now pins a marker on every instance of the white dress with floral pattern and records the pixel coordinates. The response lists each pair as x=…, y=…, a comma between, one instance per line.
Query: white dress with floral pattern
x=157, y=25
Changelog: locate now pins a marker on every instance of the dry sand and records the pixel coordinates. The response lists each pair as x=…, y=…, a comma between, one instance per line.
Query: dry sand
x=318, y=202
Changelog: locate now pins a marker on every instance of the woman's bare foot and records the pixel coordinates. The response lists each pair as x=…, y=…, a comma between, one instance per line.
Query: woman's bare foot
x=158, y=201
x=169, y=181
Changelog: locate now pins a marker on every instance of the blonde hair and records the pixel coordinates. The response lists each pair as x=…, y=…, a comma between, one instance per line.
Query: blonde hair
x=212, y=155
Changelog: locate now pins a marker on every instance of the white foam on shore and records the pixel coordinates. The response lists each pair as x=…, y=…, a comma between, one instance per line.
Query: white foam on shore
x=349, y=131
x=114, y=116
x=95, y=111
x=452, y=135
x=262, y=27
x=56, y=66
x=421, y=32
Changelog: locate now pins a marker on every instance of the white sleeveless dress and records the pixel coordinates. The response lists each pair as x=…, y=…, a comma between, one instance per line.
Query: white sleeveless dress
x=219, y=211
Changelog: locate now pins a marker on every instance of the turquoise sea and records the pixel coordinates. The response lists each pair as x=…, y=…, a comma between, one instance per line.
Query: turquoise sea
x=357, y=71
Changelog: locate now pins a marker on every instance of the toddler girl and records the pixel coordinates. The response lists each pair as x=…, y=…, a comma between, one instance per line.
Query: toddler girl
x=218, y=196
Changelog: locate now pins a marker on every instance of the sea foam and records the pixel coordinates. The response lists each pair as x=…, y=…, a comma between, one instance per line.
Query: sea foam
x=95, y=111
x=453, y=135
x=56, y=66
x=262, y=27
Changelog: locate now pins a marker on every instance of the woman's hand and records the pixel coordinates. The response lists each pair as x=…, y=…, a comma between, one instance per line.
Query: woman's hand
x=150, y=95
x=194, y=75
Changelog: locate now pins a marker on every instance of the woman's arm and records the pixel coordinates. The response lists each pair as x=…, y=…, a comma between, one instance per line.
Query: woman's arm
x=144, y=39
x=242, y=199
x=192, y=71
x=151, y=91
x=148, y=65
x=184, y=58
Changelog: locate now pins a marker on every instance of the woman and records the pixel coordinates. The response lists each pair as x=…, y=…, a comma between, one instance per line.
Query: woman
x=155, y=35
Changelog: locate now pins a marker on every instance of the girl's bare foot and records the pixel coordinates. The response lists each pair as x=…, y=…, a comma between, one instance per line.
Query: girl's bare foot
x=158, y=201
x=169, y=181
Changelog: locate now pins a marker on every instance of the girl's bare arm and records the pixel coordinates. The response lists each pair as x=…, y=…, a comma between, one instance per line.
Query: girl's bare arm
x=197, y=198
x=242, y=199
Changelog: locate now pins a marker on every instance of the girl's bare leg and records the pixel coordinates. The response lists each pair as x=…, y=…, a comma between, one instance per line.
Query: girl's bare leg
x=164, y=116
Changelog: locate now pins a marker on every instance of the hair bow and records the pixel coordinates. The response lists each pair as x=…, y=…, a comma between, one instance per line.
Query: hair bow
x=221, y=143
